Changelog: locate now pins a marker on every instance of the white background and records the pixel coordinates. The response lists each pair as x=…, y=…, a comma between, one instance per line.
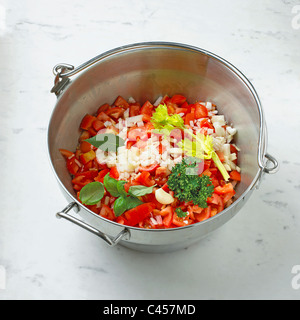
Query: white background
x=250, y=257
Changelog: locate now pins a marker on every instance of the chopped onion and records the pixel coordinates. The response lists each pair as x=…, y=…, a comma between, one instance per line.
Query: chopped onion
x=154, y=221
x=158, y=101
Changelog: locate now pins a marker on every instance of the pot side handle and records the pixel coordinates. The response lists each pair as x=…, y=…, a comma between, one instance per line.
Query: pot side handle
x=111, y=242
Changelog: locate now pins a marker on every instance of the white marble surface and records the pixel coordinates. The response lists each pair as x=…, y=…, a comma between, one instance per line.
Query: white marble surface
x=251, y=257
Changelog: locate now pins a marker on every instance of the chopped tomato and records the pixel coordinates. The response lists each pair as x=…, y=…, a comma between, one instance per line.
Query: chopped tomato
x=180, y=222
x=224, y=189
x=146, y=118
x=220, y=155
x=178, y=99
x=114, y=173
x=235, y=175
x=115, y=112
x=145, y=179
x=102, y=116
x=217, y=201
x=138, y=214
x=92, y=131
x=121, y=220
x=147, y=109
x=181, y=110
x=87, y=122
x=84, y=135
x=129, y=144
x=135, y=134
x=162, y=172
x=165, y=99
x=206, y=124
x=85, y=146
x=103, y=108
x=107, y=212
x=227, y=196
x=203, y=215
x=167, y=215
x=134, y=110
x=200, y=111
x=98, y=125
x=188, y=118
x=150, y=168
x=121, y=102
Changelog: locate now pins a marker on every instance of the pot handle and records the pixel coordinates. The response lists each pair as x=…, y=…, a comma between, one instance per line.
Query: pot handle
x=111, y=242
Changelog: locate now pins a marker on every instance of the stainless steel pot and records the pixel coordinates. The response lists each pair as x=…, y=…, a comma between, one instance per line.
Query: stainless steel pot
x=146, y=71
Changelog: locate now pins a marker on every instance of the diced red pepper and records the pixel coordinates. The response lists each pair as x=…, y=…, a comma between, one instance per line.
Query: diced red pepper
x=72, y=166
x=66, y=153
x=138, y=214
x=87, y=156
x=101, y=175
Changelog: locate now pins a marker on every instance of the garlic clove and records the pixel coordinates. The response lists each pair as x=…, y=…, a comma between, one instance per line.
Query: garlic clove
x=163, y=197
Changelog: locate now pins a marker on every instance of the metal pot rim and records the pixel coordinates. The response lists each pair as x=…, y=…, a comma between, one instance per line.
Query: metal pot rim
x=64, y=71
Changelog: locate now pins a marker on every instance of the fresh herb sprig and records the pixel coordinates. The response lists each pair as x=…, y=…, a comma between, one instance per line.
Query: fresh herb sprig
x=93, y=192
x=190, y=187
x=180, y=213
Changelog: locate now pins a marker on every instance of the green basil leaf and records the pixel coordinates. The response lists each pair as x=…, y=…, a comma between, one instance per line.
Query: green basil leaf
x=120, y=187
x=91, y=193
x=120, y=206
x=133, y=202
x=111, y=185
x=123, y=204
x=106, y=142
x=139, y=191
